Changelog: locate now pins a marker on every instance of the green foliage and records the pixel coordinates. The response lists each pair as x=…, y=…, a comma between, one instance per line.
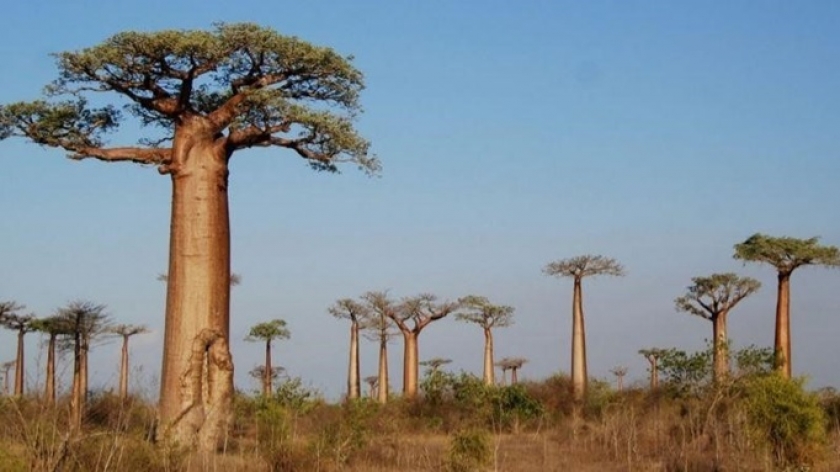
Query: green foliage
x=513, y=404
x=268, y=331
x=787, y=418
x=469, y=451
x=715, y=294
x=685, y=373
x=292, y=394
x=786, y=253
x=479, y=310
x=585, y=266
x=753, y=360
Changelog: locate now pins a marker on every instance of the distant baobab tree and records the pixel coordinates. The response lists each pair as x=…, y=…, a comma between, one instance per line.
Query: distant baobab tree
x=513, y=364
x=479, y=310
x=358, y=314
x=125, y=332
x=653, y=355
x=372, y=381
x=381, y=329
x=267, y=332
x=53, y=327
x=7, y=366
x=85, y=322
x=413, y=316
x=435, y=363
x=22, y=324
x=712, y=298
x=577, y=268
x=259, y=374
x=619, y=372
x=785, y=254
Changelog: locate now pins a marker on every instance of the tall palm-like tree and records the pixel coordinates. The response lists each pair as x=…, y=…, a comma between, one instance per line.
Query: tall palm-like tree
x=578, y=268
x=785, y=254
x=125, y=332
x=52, y=327
x=358, y=314
x=267, y=332
x=22, y=324
x=479, y=310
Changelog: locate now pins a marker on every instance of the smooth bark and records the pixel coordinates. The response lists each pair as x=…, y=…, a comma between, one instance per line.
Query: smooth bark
x=19, y=365
x=196, y=359
x=489, y=370
x=382, y=395
x=782, y=335
x=578, y=344
x=353, y=373
x=49, y=384
x=411, y=364
x=720, y=352
x=267, y=374
x=124, y=369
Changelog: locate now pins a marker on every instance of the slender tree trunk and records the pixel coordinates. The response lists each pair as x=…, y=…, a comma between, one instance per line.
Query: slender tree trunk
x=267, y=372
x=124, y=369
x=19, y=365
x=6, y=381
x=513, y=377
x=782, y=338
x=721, y=346
x=83, y=384
x=489, y=370
x=383, y=371
x=654, y=372
x=578, y=344
x=49, y=384
x=76, y=391
x=504, y=377
x=198, y=409
x=353, y=374
x=411, y=364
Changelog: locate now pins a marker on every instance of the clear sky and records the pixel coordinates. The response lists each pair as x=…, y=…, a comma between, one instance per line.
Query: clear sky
x=511, y=134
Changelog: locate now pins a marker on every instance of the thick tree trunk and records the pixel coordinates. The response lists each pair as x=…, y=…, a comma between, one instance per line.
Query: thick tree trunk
x=197, y=375
x=353, y=374
x=411, y=364
x=721, y=346
x=578, y=344
x=19, y=366
x=654, y=372
x=489, y=370
x=383, y=371
x=49, y=384
x=124, y=369
x=782, y=338
x=267, y=372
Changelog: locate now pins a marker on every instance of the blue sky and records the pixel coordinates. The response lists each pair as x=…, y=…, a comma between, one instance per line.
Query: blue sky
x=511, y=134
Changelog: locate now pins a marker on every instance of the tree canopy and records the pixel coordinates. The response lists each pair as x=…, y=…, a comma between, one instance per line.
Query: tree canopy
x=786, y=253
x=269, y=331
x=247, y=85
x=479, y=310
x=715, y=294
x=584, y=266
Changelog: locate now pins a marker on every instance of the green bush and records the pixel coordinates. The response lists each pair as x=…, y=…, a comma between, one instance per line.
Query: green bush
x=469, y=451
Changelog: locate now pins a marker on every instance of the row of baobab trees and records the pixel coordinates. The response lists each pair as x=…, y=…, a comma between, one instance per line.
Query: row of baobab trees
x=710, y=297
x=74, y=328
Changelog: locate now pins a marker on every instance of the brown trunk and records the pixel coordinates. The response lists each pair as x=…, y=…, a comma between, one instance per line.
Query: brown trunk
x=383, y=371
x=76, y=391
x=197, y=374
x=504, y=377
x=353, y=374
x=49, y=385
x=6, y=381
x=620, y=383
x=83, y=383
x=721, y=346
x=489, y=370
x=267, y=371
x=19, y=367
x=578, y=344
x=124, y=369
x=782, y=339
x=654, y=372
x=513, y=377
x=411, y=364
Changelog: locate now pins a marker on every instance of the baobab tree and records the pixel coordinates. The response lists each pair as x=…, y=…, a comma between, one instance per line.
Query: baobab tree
x=577, y=268
x=259, y=373
x=7, y=366
x=435, y=363
x=357, y=313
x=785, y=254
x=653, y=355
x=381, y=329
x=84, y=321
x=125, y=332
x=205, y=95
x=479, y=310
x=513, y=364
x=619, y=372
x=22, y=324
x=372, y=381
x=53, y=327
x=712, y=298
x=414, y=315
x=267, y=332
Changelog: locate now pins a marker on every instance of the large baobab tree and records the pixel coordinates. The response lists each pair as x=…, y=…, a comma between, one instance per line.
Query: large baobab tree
x=203, y=95
x=479, y=310
x=619, y=372
x=358, y=314
x=785, y=254
x=712, y=298
x=413, y=315
x=380, y=329
x=513, y=364
x=22, y=324
x=85, y=322
x=125, y=332
x=578, y=268
x=267, y=332
x=52, y=327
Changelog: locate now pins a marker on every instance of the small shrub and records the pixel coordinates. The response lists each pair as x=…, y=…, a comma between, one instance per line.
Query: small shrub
x=469, y=451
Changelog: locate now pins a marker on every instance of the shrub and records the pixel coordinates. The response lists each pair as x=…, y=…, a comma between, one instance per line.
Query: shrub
x=469, y=451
